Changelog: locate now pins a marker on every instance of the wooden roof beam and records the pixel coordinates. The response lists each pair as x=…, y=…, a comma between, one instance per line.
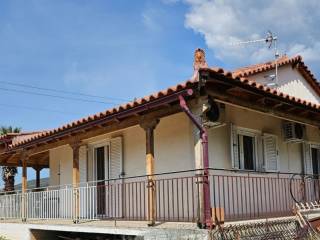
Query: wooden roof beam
x=278, y=105
x=227, y=98
x=234, y=89
x=261, y=100
x=128, y=122
x=9, y=159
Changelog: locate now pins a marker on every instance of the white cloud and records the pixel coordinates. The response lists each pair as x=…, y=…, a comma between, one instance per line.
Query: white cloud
x=223, y=22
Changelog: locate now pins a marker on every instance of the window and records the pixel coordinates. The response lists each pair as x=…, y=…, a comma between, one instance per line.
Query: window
x=248, y=144
x=311, y=158
x=244, y=148
x=315, y=155
x=247, y=151
x=107, y=159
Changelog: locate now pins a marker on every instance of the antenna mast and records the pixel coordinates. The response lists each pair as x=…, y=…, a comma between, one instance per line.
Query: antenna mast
x=270, y=40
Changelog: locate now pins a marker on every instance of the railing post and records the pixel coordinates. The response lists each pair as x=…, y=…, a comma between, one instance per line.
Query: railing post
x=149, y=126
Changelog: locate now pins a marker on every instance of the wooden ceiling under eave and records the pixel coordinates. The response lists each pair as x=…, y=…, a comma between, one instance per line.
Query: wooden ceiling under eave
x=13, y=159
x=232, y=91
x=39, y=149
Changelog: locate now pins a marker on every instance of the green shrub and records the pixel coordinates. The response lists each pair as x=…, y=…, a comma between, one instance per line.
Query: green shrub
x=3, y=238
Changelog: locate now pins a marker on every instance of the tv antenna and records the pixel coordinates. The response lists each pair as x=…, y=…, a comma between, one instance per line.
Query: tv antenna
x=271, y=41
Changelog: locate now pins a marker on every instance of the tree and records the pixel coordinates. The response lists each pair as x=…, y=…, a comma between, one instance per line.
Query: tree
x=8, y=173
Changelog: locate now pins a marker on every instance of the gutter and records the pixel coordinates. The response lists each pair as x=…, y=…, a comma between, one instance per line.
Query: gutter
x=206, y=221
x=118, y=115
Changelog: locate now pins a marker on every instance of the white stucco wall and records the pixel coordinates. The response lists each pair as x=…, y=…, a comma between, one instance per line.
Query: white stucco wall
x=173, y=150
x=174, y=146
x=61, y=158
x=290, y=156
x=291, y=82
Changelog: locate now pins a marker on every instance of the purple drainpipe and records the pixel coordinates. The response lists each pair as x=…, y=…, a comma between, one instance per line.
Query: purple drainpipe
x=205, y=154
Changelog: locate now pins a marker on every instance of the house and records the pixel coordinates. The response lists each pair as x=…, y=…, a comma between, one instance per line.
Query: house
x=222, y=146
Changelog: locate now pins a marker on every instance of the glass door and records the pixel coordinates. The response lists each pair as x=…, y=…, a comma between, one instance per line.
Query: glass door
x=101, y=155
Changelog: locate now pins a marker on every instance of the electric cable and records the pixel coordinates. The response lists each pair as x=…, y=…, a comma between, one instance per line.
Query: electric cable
x=62, y=91
x=36, y=109
x=57, y=96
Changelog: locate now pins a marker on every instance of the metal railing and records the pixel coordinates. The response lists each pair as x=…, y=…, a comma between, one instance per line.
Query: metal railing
x=241, y=195
x=235, y=195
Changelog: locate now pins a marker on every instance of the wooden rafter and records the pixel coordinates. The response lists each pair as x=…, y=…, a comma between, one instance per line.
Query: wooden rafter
x=113, y=126
x=264, y=109
x=215, y=84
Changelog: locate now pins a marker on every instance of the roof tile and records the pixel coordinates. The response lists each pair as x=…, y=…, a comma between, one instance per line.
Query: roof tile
x=240, y=75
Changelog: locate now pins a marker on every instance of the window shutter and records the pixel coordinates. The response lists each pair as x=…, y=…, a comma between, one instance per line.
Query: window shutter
x=307, y=158
x=234, y=147
x=116, y=157
x=83, y=164
x=270, y=147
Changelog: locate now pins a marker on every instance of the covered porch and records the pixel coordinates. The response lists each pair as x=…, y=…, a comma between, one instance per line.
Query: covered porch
x=201, y=194
x=235, y=196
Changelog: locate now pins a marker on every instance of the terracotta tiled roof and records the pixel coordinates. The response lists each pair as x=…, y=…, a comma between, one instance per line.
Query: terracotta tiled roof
x=122, y=108
x=294, y=61
x=237, y=76
x=263, y=67
x=25, y=137
x=246, y=82
x=16, y=136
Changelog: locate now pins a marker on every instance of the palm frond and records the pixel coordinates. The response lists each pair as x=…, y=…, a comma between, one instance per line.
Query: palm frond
x=8, y=172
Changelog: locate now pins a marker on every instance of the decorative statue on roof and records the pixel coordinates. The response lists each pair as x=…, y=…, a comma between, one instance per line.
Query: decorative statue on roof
x=8, y=173
x=199, y=59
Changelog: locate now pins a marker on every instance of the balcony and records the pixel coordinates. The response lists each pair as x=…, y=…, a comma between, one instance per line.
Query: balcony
x=178, y=196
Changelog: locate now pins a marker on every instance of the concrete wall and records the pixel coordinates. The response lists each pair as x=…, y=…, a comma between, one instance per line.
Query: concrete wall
x=15, y=231
x=290, y=82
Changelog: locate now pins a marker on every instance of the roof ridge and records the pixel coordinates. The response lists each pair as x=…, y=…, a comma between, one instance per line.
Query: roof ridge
x=265, y=66
x=294, y=61
x=284, y=57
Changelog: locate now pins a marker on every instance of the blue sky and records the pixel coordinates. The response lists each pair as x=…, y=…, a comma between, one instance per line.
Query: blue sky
x=126, y=49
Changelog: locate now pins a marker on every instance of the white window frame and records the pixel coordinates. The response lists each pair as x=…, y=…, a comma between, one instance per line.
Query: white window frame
x=250, y=133
x=315, y=146
x=106, y=145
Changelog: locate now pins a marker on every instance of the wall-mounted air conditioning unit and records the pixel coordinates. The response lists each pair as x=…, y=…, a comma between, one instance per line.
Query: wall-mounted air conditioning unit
x=213, y=114
x=293, y=132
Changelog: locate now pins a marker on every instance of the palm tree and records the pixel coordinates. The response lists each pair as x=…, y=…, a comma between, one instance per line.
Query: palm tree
x=8, y=173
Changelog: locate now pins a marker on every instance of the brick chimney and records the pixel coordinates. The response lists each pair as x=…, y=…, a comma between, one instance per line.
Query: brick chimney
x=199, y=59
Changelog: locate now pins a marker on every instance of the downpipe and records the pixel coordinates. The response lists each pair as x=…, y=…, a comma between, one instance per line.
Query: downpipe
x=206, y=222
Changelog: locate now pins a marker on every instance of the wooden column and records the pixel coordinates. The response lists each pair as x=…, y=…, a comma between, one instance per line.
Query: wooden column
x=38, y=175
x=24, y=159
x=75, y=165
x=75, y=180
x=38, y=178
x=149, y=126
x=24, y=175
